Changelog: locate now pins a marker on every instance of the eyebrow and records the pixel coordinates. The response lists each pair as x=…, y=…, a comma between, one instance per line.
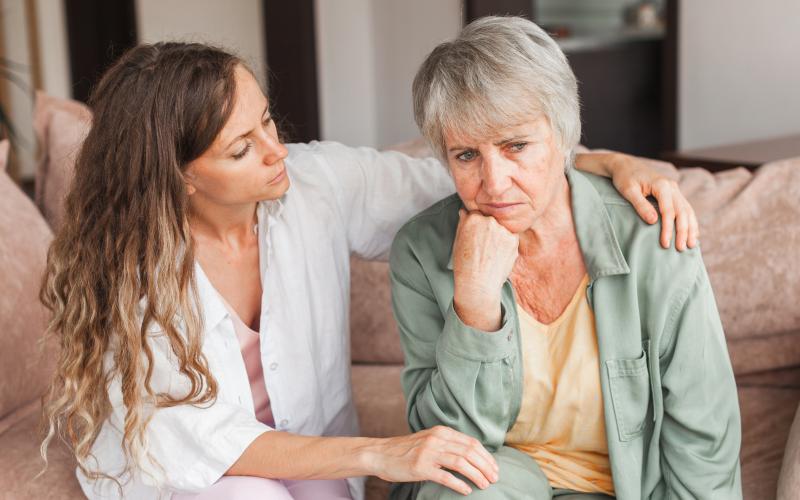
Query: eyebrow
x=499, y=143
x=264, y=116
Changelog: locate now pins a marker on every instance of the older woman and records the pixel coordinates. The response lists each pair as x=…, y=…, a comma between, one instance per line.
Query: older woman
x=538, y=313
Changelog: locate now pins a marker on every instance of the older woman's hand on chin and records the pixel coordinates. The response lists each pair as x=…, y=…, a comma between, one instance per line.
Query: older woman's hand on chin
x=484, y=253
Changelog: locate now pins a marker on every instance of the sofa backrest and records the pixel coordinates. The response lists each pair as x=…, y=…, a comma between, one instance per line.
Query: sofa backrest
x=25, y=367
x=60, y=125
x=373, y=331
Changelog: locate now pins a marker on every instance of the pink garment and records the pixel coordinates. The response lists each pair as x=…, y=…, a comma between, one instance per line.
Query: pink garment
x=250, y=345
x=252, y=488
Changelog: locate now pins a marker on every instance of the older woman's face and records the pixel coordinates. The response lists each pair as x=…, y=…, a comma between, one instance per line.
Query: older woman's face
x=512, y=176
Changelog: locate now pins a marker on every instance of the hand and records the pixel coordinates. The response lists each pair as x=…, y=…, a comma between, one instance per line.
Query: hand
x=484, y=253
x=635, y=180
x=423, y=456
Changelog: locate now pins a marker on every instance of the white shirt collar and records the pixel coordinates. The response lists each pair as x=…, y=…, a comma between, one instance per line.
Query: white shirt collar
x=211, y=307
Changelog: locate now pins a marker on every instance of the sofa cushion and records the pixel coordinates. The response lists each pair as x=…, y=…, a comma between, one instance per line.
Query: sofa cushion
x=755, y=353
x=373, y=332
x=379, y=400
x=380, y=404
x=750, y=236
x=768, y=401
x=25, y=366
x=60, y=125
x=20, y=462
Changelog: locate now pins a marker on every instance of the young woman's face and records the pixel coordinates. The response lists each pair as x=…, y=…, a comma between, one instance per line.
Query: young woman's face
x=245, y=162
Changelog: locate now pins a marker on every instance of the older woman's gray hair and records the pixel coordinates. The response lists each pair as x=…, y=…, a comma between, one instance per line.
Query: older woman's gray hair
x=497, y=73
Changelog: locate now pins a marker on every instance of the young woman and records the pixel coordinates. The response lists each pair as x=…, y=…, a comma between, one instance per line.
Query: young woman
x=199, y=291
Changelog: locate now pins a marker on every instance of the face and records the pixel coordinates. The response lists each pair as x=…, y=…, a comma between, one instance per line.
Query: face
x=512, y=176
x=244, y=164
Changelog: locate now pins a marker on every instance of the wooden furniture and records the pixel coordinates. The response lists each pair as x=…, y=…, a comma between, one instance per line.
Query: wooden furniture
x=627, y=77
x=749, y=154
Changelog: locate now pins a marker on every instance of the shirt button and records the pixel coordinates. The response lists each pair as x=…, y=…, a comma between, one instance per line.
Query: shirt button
x=284, y=422
x=509, y=337
x=273, y=366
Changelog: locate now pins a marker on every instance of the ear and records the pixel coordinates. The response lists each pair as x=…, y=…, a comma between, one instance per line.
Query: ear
x=4, y=145
x=188, y=178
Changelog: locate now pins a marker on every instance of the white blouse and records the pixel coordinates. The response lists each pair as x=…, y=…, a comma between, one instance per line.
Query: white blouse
x=341, y=200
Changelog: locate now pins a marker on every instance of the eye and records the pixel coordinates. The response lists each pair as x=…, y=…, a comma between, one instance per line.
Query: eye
x=467, y=155
x=267, y=121
x=241, y=154
x=517, y=147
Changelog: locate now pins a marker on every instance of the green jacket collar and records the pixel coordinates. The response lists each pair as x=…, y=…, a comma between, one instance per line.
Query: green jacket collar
x=601, y=252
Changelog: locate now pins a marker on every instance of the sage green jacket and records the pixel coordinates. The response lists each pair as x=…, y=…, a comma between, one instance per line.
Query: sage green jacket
x=671, y=410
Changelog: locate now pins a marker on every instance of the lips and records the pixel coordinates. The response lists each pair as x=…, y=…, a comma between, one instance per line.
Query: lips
x=501, y=205
x=278, y=177
x=498, y=209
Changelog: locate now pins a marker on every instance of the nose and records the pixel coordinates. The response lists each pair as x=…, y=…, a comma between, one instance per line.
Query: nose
x=495, y=174
x=274, y=150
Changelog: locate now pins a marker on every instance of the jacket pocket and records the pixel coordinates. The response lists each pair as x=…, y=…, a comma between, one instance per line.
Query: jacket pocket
x=629, y=382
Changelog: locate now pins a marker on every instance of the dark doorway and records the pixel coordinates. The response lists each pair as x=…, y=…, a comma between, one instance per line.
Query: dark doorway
x=292, y=67
x=99, y=32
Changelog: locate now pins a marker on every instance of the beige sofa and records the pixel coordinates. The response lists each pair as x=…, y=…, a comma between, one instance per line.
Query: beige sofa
x=750, y=237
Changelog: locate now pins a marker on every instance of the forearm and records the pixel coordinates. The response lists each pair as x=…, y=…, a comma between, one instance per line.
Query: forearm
x=281, y=455
x=472, y=386
x=596, y=163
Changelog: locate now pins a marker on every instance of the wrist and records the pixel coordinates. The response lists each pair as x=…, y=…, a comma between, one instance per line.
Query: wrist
x=617, y=163
x=368, y=458
x=485, y=316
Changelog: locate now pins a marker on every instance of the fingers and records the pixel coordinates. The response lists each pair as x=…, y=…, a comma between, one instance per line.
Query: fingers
x=687, y=226
x=663, y=192
x=681, y=229
x=467, y=456
x=643, y=207
x=479, y=468
x=667, y=224
x=694, y=229
x=467, y=469
x=450, y=481
x=472, y=446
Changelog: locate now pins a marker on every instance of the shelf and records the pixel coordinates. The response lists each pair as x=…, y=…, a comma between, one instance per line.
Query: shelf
x=598, y=41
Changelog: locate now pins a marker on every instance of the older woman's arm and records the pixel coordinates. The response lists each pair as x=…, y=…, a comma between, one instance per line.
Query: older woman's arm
x=701, y=433
x=455, y=375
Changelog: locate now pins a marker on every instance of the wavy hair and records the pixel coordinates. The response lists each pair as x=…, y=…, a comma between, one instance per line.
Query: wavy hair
x=123, y=262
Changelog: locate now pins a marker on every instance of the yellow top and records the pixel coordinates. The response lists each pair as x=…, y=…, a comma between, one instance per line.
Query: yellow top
x=560, y=423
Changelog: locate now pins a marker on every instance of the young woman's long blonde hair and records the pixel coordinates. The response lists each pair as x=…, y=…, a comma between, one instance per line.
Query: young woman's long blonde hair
x=124, y=259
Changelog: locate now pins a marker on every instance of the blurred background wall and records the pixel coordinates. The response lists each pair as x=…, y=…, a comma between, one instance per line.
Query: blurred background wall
x=739, y=71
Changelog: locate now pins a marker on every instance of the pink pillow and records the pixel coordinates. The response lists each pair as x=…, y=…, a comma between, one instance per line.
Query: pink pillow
x=61, y=126
x=24, y=238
